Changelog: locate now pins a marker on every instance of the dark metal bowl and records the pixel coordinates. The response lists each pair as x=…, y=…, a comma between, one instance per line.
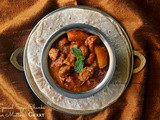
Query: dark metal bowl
x=104, y=81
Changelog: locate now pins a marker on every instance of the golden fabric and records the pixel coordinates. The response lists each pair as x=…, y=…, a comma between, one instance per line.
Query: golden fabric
x=140, y=18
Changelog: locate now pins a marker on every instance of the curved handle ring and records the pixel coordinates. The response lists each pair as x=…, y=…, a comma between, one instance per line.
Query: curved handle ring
x=13, y=58
x=142, y=59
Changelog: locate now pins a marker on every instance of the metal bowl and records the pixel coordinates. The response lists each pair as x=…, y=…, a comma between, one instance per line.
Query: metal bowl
x=50, y=42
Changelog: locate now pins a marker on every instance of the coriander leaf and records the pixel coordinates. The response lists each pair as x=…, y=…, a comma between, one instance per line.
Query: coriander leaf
x=79, y=66
x=81, y=58
x=76, y=52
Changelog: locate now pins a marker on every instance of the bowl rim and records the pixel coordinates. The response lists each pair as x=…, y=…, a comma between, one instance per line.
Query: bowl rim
x=44, y=60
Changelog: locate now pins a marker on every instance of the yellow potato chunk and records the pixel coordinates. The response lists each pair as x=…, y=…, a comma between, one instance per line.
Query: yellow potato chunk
x=77, y=35
x=102, y=56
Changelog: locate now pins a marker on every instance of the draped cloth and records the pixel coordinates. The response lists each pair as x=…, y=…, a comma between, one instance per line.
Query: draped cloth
x=140, y=18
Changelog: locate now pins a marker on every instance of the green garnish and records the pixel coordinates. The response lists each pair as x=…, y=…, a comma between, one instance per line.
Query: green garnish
x=76, y=52
x=79, y=64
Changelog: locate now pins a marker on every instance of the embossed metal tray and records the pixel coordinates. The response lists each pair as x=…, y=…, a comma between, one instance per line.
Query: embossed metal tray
x=48, y=102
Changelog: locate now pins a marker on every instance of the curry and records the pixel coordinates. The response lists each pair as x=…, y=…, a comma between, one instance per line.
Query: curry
x=78, y=61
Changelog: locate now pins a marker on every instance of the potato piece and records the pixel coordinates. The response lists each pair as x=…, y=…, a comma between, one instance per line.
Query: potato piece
x=77, y=35
x=102, y=56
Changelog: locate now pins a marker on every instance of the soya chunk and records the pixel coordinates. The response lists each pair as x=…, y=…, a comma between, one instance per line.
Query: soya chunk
x=102, y=56
x=94, y=64
x=86, y=73
x=62, y=43
x=84, y=50
x=91, y=41
x=90, y=59
x=70, y=60
x=59, y=61
x=66, y=49
x=77, y=35
x=75, y=44
x=53, y=53
x=64, y=71
x=70, y=79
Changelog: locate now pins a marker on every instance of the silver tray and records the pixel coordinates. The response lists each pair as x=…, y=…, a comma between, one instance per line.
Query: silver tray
x=48, y=102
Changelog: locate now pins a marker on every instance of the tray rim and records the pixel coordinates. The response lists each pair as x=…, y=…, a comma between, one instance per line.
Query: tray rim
x=26, y=67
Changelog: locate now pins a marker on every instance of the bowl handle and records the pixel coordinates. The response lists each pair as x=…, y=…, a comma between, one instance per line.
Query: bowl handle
x=142, y=59
x=13, y=58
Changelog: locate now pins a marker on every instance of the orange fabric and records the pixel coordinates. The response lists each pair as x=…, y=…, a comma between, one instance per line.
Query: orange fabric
x=141, y=21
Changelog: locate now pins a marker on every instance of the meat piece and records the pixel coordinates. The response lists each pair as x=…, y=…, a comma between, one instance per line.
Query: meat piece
x=90, y=82
x=102, y=56
x=90, y=59
x=94, y=64
x=63, y=46
x=70, y=79
x=91, y=41
x=59, y=61
x=61, y=81
x=69, y=82
x=66, y=49
x=70, y=60
x=53, y=53
x=84, y=50
x=86, y=73
x=64, y=71
x=101, y=72
x=77, y=35
x=62, y=43
x=74, y=45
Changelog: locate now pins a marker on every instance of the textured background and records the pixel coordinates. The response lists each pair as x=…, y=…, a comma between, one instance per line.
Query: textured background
x=140, y=18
